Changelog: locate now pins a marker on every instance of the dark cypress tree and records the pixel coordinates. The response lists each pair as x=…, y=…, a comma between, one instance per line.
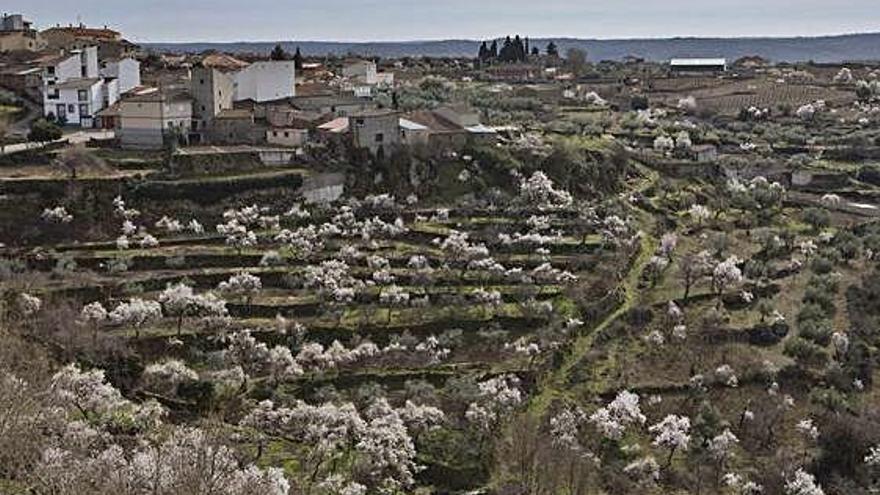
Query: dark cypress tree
x=519, y=51
x=504, y=55
x=552, y=50
x=535, y=51
x=278, y=53
x=493, y=51
x=484, y=52
x=298, y=59
x=527, y=50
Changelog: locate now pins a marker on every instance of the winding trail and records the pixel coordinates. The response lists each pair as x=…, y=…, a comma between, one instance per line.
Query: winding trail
x=554, y=386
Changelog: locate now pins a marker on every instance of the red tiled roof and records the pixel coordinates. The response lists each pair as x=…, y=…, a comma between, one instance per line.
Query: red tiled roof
x=223, y=62
x=84, y=32
x=335, y=126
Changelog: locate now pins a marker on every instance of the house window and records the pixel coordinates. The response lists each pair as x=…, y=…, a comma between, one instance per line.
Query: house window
x=52, y=95
x=380, y=137
x=287, y=134
x=83, y=110
x=201, y=81
x=71, y=108
x=51, y=71
x=82, y=95
x=203, y=108
x=359, y=122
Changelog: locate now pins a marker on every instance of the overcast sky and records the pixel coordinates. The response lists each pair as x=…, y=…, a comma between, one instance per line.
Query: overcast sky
x=373, y=20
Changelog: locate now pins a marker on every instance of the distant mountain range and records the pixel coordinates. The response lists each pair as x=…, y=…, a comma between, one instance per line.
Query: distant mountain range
x=825, y=49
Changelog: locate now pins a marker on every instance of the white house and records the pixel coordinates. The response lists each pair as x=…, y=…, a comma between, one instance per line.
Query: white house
x=71, y=65
x=76, y=101
x=265, y=81
x=126, y=70
x=361, y=91
x=73, y=89
x=698, y=65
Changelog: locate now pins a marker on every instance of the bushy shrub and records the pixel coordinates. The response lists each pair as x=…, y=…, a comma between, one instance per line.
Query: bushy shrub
x=822, y=265
x=816, y=331
x=805, y=352
x=817, y=218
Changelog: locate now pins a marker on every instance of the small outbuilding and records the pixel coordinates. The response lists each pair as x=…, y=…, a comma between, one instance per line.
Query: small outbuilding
x=704, y=153
x=698, y=65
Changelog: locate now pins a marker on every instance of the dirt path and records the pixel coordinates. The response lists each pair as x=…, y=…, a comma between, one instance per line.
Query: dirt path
x=554, y=386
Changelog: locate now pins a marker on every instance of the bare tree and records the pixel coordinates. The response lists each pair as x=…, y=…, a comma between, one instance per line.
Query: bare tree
x=76, y=159
x=4, y=130
x=577, y=60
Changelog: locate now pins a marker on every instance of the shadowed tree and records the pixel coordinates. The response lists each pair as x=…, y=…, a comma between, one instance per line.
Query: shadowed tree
x=577, y=60
x=43, y=131
x=76, y=159
x=4, y=129
x=483, y=54
x=278, y=53
x=298, y=59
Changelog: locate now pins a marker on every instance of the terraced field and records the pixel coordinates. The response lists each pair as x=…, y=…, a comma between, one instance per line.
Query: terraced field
x=372, y=296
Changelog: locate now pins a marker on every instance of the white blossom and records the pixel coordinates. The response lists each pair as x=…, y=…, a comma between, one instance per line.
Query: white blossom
x=539, y=192
x=28, y=304
x=613, y=419
x=148, y=241
x=57, y=214
x=166, y=376
x=802, y=483
x=726, y=375
x=721, y=446
x=136, y=312
x=643, y=471
x=809, y=430
x=93, y=313
x=241, y=284
x=673, y=432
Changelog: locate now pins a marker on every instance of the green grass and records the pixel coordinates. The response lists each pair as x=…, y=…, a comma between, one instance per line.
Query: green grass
x=554, y=387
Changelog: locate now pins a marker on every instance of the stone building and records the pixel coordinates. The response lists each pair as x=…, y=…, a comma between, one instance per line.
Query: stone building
x=148, y=119
x=18, y=34
x=110, y=43
x=212, y=91
x=377, y=131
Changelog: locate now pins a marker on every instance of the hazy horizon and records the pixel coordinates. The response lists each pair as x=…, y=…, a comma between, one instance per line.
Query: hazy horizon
x=225, y=21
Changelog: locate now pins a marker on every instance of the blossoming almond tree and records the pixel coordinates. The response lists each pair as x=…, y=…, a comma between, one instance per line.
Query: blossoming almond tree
x=673, y=434
x=179, y=301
